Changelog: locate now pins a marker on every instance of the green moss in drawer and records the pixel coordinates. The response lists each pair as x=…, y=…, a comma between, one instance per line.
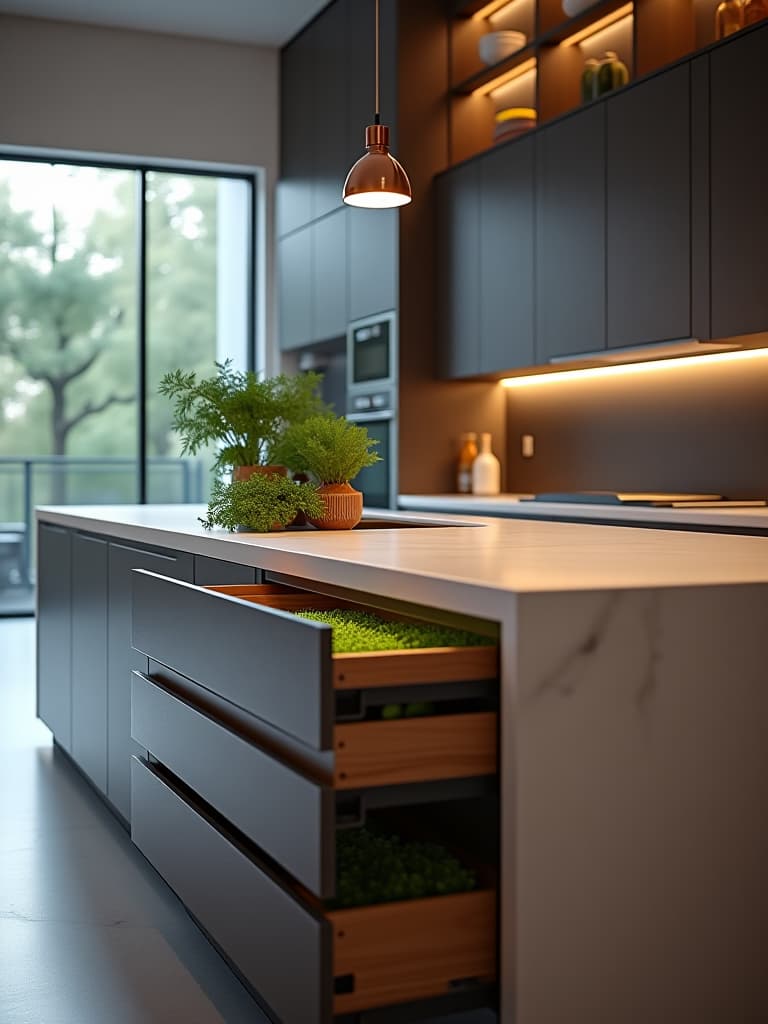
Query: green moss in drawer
x=357, y=632
x=378, y=868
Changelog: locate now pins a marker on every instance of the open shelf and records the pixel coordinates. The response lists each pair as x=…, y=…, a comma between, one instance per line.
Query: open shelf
x=646, y=36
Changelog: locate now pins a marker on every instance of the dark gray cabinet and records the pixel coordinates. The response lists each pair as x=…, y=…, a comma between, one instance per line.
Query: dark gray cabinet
x=122, y=660
x=506, y=258
x=458, y=269
x=294, y=191
x=325, y=107
x=570, y=235
x=89, y=656
x=294, y=286
x=329, y=276
x=372, y=239
x=54, y=631
x=215, y=571
x=739, y=197
x=312, y=282
x=648, y=225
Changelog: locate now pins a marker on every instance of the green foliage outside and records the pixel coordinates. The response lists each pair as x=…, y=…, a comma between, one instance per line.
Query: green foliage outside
x=68, y=332
x=374, y=868
x=361, y=631
x=332, y=449
x=246, y=416
x=260, y=503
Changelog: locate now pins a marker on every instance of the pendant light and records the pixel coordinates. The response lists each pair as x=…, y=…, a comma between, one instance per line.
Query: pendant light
x=377, y=181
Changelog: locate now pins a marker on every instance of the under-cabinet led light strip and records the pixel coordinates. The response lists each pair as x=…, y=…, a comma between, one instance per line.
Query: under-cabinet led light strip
x=596, y=26
x=623, y=369
x=508, y=76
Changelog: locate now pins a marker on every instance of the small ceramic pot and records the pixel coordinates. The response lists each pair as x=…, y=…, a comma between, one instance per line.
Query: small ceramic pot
x=343, y=507
x=246, y=472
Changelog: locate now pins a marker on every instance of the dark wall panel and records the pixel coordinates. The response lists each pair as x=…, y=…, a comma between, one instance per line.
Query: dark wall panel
x=700, y=428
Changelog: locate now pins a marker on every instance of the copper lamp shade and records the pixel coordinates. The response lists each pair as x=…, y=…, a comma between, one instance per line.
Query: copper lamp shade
x=377, y=181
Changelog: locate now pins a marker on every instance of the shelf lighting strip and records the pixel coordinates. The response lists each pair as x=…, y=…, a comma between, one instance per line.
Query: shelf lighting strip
x=590, y=373
x=596, y=26
x=507, y=76
x=494, y=7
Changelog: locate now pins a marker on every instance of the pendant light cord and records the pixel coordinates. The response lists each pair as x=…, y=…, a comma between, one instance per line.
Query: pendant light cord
x=377, y=112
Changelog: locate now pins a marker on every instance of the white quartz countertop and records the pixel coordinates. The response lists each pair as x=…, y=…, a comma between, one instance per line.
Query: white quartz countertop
x=487, y=557
x=745, y=518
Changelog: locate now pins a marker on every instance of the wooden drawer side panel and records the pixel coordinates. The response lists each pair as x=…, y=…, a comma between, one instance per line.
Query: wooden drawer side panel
x=265, y=661
x=289, y=817
x=411, y=667
x=398, y=952
x=415, y=750
x=281, y=948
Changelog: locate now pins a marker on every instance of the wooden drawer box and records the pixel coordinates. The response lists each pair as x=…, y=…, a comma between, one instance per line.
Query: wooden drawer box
x=244, y=645
x=308, y=964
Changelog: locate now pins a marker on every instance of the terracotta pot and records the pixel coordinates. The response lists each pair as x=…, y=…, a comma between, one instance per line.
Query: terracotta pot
x=246, y=472
x=343, y=507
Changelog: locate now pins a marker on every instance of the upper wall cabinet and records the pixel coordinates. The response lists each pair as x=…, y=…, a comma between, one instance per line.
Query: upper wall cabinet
x=739, y=215
x=570, y=236
x=325, y=109
x=648, y=212
x=294, y=193
x=458, y=270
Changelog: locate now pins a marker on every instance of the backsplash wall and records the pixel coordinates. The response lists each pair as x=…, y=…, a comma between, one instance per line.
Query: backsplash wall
x=700, y=427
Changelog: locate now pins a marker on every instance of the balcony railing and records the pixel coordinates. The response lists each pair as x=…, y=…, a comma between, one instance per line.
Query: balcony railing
x=63, y=480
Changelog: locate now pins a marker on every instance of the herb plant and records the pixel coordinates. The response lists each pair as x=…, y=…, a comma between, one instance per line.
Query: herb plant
x=355, y=631
x=260, y=503
x=374, y=868
x=246, y=417
x=332, y=449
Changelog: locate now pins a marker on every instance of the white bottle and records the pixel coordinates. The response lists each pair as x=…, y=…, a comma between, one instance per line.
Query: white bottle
x=486, y=469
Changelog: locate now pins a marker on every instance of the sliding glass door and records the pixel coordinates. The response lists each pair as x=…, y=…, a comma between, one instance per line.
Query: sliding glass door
x=109, y=277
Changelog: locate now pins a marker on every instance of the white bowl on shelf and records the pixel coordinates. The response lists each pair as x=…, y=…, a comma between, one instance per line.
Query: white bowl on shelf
x=495, y=46
x=573, y=7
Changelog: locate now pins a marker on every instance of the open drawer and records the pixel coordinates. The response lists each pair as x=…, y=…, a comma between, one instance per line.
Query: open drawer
x=307, y=963
x=280, y=805
x=245, y=646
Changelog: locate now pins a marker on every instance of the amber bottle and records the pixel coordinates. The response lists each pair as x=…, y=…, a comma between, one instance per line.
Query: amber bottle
x=467, y=455
x=729, y=18
x=754, y=11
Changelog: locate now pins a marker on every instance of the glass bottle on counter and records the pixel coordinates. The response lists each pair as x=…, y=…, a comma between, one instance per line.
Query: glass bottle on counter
x=754, y=11
x=486, y=470
x=729, y=18
x=467, y=455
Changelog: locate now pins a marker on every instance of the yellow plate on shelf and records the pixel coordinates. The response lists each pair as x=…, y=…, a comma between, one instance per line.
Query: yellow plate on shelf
x=515, y=112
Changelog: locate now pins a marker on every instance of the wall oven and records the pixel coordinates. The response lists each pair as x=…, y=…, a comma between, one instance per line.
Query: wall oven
x=372, y=402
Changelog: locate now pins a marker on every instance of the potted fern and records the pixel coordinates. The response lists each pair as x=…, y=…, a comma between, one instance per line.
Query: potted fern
x=245, y=417
x=333, y=451
x=263, y=503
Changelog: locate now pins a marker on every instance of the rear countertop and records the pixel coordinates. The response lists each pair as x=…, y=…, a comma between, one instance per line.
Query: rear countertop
x=463, y=563
x=510, y=505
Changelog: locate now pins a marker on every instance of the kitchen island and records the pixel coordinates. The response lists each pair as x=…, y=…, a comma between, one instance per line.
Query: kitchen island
x=632, y=711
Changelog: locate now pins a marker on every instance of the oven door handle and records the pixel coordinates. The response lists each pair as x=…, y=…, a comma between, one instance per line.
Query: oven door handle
x=371, y=417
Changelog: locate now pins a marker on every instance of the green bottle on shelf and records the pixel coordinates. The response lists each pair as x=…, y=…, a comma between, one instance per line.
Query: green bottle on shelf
x=589, y=79
x=611, y=74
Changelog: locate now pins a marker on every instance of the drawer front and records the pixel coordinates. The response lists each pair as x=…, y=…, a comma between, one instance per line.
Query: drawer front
x=281, y=948
x=289, y=817
x=266, y=661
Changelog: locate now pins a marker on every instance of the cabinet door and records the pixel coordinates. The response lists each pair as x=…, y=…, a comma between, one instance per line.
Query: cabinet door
x=325, y=108
x=648, y=263
x=329, y=276
x=210, y=572
x=372, y=263
x=89, y=657
x=506, y=257
x=54, y=631
x=739, y=148
x=294, y=279
x=122, y=659
x=458, y=269
x=570, y=235
x=294, y=190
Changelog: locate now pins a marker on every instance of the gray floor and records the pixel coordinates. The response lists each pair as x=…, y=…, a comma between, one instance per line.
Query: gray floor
x=89, y=934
